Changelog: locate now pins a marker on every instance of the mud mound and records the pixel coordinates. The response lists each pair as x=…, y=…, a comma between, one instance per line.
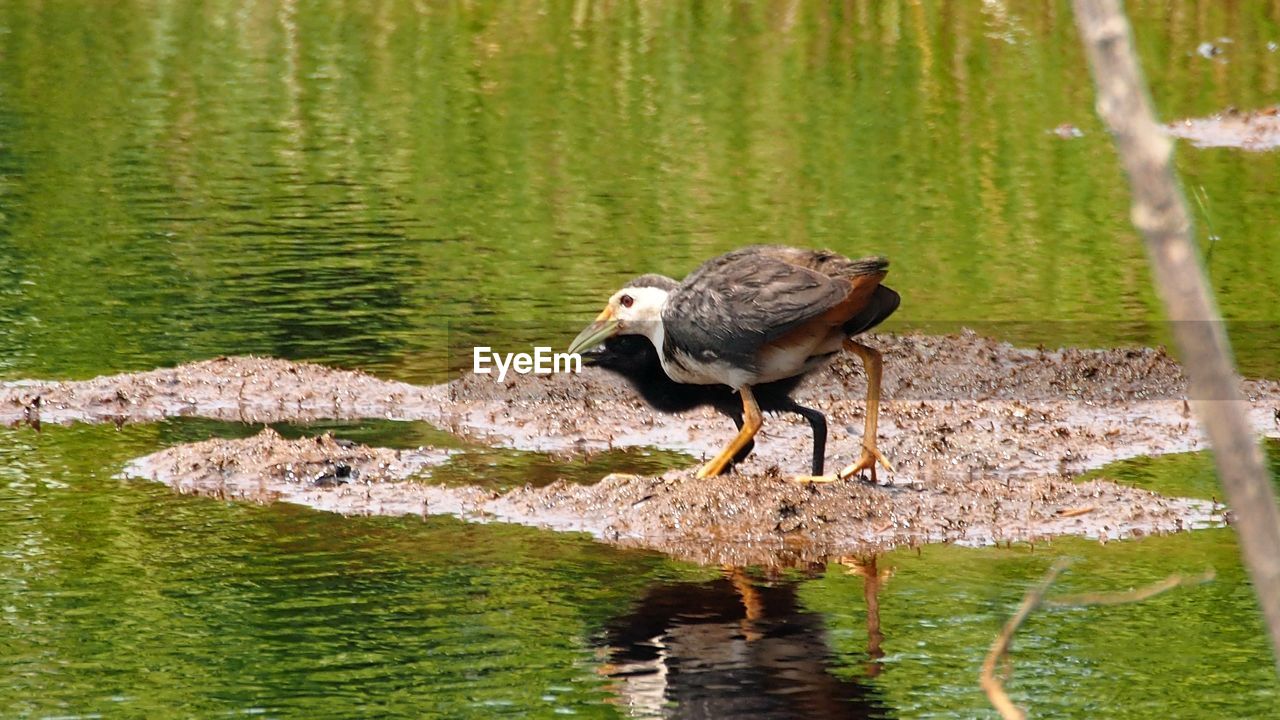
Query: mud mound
x=738, y=519
x=245, y=389
x=982, y=435
x=267, y=468
x=958, y=405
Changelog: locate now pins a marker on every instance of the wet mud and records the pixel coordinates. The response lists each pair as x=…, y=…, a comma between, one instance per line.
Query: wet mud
x=984, y=438
x=1249, y=130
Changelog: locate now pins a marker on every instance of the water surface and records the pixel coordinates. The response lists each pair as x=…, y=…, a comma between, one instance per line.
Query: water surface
x=373, y=185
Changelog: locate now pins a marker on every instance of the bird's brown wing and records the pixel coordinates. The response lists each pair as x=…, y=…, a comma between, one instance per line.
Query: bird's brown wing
x=734, y=304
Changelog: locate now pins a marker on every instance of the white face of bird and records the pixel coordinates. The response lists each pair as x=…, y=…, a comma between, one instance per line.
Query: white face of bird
x=631, y=311
x=633, y=306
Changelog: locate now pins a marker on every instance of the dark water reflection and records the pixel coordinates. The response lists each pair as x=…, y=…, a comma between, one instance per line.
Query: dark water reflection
x=736, y=647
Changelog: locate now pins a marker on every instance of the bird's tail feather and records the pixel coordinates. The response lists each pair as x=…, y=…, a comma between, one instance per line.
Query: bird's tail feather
x=834, y=264
x=882, y=304
x=868, y=266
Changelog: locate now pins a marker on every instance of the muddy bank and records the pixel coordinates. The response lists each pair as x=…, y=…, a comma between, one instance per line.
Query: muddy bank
x=742, y=519
x=982, y=435
x=1248, y=130
x=268, y=468
x=241, y=389
x=957, y=405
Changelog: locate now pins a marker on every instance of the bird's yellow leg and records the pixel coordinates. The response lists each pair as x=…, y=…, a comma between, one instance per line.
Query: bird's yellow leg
x=870, y=454
x=751, y=422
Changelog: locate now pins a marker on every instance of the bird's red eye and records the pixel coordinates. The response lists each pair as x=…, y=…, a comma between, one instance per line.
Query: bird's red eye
x=626, y=301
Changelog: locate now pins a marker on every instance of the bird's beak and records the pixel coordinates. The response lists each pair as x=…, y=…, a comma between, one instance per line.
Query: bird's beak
x=605, y=327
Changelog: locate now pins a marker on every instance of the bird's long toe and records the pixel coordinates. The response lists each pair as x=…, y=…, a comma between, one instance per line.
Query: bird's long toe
x=871, y=456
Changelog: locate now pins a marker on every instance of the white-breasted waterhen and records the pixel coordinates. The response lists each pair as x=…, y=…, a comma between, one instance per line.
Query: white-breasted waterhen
x=754, y=316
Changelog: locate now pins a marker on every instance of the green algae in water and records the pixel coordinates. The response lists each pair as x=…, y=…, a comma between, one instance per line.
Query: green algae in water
x=1184, y=474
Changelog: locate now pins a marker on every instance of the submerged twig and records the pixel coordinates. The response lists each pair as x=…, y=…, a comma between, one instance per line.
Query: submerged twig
x=1202, y=199
x=992, y=684
x=1130, y=596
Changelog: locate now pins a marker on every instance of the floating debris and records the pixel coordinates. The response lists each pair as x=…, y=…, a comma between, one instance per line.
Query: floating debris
x=1208, y=50
x=1067, y=131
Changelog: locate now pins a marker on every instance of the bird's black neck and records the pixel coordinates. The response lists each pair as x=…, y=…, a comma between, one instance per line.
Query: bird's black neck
x=635, y=359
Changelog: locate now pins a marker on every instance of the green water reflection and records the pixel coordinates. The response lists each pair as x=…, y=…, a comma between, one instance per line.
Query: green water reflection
x=123, y=599
x=372, y=185
x=1185, y=474
x=383, y=185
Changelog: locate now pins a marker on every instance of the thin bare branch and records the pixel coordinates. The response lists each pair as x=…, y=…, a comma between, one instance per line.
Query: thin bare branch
x=993, y=685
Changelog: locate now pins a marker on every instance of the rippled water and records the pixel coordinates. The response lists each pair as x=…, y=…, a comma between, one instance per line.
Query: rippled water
x=385, y=185
x=373, y=185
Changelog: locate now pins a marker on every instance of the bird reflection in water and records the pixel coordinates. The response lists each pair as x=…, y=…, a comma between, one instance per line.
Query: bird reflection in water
x=736, y=647
x=873, y=580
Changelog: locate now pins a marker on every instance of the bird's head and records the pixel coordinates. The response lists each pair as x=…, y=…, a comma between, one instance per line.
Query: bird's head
x=636, y=309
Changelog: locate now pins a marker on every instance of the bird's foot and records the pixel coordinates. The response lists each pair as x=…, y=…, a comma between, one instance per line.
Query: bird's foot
x=867, y=461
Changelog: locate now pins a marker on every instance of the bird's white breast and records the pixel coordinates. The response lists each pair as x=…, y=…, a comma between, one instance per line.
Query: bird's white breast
x=684, y=368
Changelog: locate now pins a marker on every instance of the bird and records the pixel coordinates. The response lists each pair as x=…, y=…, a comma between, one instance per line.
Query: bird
x=754, y=316
x=635, y=359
